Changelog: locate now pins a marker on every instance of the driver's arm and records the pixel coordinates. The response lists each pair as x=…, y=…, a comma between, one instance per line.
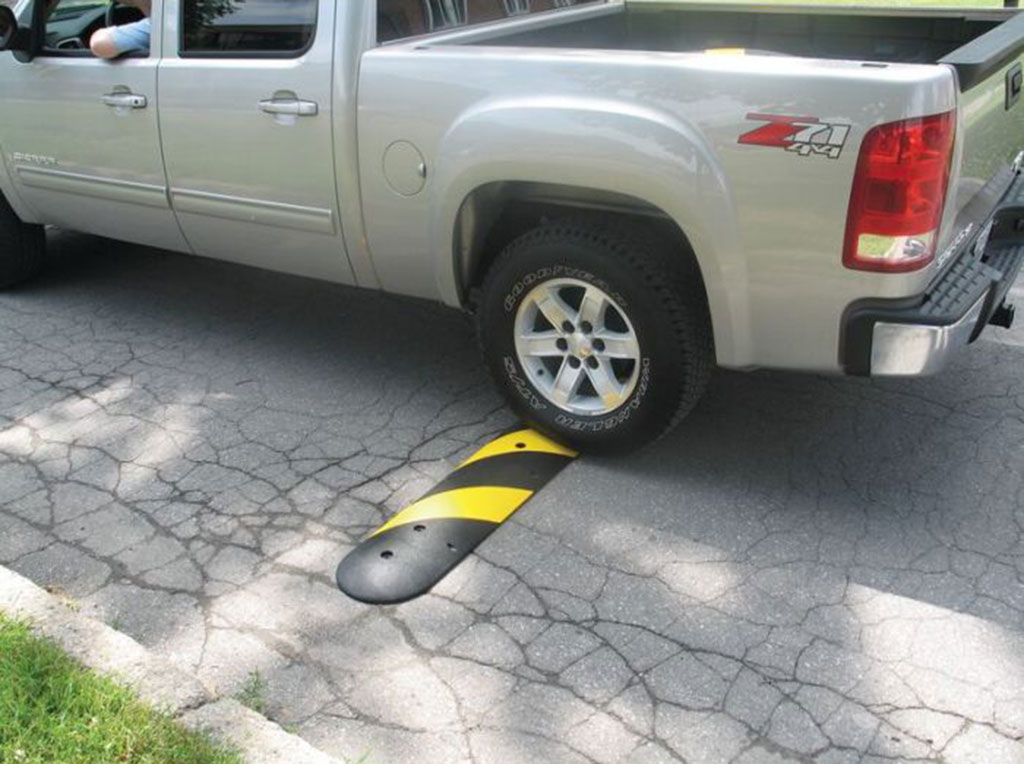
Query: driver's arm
x=112, y=42
x=103, y=45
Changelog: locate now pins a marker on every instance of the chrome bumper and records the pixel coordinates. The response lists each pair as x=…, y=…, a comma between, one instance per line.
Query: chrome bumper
x=908, y=350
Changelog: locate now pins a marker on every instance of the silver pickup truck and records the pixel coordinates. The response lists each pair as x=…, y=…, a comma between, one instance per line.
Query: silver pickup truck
x=625, y=193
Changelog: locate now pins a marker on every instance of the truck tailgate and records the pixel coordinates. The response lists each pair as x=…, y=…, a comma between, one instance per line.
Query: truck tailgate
x=989, y=70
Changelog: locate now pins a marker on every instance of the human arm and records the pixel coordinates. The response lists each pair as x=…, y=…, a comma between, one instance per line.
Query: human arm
x=112, y=42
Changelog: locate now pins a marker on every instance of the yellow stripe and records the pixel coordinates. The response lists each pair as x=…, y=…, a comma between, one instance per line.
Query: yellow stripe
x=523, y=441
x=726, y=51
x=491, y=504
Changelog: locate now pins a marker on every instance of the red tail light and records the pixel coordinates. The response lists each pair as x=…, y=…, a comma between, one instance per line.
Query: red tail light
x=898, y=194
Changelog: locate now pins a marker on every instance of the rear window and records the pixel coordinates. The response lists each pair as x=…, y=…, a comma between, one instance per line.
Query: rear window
x=407, y=18
x=247, y=28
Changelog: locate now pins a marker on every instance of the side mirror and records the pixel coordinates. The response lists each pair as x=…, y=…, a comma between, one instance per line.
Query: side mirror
x=8, y=27
x=12, y=37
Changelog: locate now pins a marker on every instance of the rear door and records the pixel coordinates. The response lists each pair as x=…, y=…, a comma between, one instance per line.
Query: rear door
x=245, y=112
x=80, y=135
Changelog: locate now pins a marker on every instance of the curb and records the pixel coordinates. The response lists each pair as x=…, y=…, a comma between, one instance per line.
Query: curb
x=155, y=680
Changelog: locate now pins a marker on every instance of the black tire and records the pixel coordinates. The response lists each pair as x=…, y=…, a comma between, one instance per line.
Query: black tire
x=22, y=247
x=657, y=289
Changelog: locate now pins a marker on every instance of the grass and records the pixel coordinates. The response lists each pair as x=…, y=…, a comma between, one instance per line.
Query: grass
x=253, y=692
x=890, y=3
x=53, y=711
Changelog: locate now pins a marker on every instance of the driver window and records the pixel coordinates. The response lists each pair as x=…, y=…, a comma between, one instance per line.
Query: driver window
x=70, y=24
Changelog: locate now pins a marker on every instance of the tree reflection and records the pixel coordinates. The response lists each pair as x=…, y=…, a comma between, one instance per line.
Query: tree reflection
x=202, y=13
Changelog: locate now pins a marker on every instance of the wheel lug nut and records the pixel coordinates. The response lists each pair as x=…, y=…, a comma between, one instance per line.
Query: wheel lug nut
x=599, y=345
x=568, y=328
x=592, y=362
x=586, y=327
x=561, y=344
x=574, y=362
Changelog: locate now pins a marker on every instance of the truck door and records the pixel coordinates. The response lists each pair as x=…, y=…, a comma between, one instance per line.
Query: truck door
x=80, y=135
x=245, y=112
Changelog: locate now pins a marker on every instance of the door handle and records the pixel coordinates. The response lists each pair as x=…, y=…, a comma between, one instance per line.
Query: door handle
x=125, y=100
x=293, y=107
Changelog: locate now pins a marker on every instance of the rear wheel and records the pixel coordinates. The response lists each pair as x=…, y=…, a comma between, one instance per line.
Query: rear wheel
x=597, y=334
x=22, y=247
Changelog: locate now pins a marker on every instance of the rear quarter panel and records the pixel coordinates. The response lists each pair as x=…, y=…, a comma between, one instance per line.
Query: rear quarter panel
x=767, y=225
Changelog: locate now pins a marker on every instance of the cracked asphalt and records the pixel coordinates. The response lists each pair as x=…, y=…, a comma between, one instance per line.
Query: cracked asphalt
x=811, y=569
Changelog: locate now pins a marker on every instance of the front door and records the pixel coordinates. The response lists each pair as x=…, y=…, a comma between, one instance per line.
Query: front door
x=80, y=135
x=245, y=111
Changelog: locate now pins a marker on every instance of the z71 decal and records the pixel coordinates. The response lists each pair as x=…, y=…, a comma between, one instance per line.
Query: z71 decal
x=801, y=135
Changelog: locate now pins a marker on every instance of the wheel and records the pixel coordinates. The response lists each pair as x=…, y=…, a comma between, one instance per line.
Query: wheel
x=596, y=333
x=22, y=247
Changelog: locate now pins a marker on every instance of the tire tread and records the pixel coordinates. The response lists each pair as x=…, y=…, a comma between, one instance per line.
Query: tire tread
x=673, y=281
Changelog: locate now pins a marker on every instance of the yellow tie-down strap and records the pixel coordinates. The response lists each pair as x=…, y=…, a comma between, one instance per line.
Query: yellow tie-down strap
x=413, y=550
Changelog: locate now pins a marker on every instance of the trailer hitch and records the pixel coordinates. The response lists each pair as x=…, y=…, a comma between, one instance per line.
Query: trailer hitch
x=1003, y=316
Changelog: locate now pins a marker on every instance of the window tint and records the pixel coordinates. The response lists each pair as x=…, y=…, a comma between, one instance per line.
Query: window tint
x=406, y=18
x=241, y=28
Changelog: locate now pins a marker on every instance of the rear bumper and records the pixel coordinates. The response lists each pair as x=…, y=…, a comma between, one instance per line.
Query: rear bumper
x=919, y=336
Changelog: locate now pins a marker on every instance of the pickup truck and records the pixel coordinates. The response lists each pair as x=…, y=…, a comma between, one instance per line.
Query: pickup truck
x=624, y=192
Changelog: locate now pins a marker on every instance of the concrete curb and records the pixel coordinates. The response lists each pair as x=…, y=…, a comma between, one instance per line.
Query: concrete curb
x=156, y=680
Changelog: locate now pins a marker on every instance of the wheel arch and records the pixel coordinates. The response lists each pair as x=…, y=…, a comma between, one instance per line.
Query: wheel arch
x=494, y=214
x=575, y=154
x=9, y=193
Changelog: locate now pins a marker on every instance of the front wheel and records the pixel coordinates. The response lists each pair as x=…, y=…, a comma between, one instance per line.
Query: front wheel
x=22, y=247
x=596, y=333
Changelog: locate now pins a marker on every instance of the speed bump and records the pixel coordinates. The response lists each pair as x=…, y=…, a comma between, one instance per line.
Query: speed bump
x=417, y=547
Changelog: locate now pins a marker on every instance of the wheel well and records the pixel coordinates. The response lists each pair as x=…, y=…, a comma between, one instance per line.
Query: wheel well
x=495, y=214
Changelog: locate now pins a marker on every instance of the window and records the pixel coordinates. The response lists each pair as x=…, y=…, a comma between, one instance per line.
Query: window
x=406, y=18
x=247, y=28
x=69, y=24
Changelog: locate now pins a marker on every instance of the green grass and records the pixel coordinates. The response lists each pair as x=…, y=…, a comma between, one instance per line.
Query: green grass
x=253, y=692
x=52, y=711
x=891, y=3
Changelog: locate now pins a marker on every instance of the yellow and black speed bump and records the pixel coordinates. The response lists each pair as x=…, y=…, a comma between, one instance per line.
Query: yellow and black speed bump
x=416, y=548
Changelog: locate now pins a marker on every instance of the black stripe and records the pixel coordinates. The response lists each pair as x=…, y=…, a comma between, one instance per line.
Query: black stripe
x=529, y=470
x=406, y=561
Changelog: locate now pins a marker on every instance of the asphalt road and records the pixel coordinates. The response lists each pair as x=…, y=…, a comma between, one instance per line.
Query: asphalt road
x=810, y=570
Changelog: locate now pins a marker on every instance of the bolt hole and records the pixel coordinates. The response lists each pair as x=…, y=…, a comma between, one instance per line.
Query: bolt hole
x=387, y=554
x=419, y=528
x=520, y=445
x=451, y=547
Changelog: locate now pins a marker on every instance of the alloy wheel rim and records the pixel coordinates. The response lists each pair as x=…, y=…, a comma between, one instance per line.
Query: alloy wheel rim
x=577, y=346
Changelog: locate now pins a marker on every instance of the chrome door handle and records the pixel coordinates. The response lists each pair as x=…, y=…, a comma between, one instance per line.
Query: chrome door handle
x=293, y=107
x=125, y=100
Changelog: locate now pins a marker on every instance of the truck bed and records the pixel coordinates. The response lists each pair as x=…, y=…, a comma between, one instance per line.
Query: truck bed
x=984, y=46
x=893, y=35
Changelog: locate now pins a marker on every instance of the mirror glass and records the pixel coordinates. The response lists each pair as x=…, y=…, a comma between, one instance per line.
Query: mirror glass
x=8, y=26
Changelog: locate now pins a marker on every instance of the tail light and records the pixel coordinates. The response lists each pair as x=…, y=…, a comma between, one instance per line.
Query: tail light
x=898, y=194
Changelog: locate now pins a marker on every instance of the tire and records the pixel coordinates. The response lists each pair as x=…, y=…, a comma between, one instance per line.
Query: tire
x=22, y=247
x=655, y=321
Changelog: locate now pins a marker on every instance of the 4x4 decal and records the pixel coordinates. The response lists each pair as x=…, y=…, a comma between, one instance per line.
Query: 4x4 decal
x=801, y=135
